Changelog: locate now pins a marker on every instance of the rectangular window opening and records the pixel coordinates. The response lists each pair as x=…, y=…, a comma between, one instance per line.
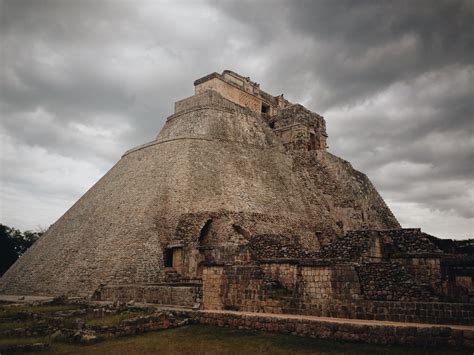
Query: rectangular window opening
x=312, y=142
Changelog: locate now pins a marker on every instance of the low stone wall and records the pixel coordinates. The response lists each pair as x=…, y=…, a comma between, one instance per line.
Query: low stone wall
x=137, y=325
x=178, y=295
x=385, y=334
x=409, y=312
x=324, y=291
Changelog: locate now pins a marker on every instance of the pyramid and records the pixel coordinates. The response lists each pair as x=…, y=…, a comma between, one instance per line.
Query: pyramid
x=232, y=164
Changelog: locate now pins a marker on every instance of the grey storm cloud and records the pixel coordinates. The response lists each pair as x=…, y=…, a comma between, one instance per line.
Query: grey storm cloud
x=83, y=81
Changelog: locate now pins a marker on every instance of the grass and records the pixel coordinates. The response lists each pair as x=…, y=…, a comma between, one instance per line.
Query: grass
x=200, y=339
x=15, y=324
x=22, y=341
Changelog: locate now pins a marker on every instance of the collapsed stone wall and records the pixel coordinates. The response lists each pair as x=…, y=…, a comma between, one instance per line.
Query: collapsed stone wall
x=351, y=247
x=409, y=256
x=407, y=241
x=381, y=244
x=280, y=246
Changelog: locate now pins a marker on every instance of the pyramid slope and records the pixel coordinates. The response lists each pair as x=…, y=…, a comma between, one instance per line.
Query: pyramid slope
x=213, y=159
x=115, y=233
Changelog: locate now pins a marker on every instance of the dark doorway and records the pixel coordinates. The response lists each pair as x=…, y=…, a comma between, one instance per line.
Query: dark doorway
x=205, y=231
x=168, y=257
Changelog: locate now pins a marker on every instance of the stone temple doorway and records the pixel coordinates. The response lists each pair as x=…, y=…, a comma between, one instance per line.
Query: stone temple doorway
x=174, y=258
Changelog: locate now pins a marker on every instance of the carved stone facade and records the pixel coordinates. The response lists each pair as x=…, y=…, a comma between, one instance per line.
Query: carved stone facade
x=237, y=205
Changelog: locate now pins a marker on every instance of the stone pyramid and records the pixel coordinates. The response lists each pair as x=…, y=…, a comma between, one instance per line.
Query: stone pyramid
x=233, y=163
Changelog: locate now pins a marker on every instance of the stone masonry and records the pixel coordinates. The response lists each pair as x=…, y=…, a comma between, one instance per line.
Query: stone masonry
x=237, y=205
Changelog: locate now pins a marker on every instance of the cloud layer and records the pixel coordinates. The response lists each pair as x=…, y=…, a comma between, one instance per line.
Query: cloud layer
x=82, y=81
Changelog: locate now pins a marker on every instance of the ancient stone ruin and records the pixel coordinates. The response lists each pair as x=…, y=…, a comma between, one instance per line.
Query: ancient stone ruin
x=237, y=205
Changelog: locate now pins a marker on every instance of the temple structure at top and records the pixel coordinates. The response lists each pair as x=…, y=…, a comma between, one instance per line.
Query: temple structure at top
x=242, y=91
x=297, y=127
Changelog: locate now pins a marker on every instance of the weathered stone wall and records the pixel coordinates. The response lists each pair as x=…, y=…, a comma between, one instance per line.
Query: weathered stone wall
x=328, y=282
x=412, y=267
x=179, y=295
x=324, y=290
x=349, y=197
x=242, y=91
x=299, y=129
x=359, y=266
x=353, y=246
x=231, y=93
x=278, y=287
x=426, y=270
x=212, y=288
x=373, y=333
x=390, y=281
x=394, y=311
x=206, y=99
x=291, y=245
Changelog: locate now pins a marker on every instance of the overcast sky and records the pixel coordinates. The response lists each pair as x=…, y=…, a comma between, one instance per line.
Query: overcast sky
x=83, y=81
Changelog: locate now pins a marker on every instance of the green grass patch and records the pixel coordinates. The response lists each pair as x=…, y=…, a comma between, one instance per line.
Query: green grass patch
x=16, y=324
x=22, y=341
x=200, y=339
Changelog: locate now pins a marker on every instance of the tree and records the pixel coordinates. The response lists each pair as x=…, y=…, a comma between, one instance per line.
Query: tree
x=7, y=250
x=13, y=243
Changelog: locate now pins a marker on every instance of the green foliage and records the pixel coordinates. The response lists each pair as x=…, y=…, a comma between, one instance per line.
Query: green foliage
x=13, y=243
